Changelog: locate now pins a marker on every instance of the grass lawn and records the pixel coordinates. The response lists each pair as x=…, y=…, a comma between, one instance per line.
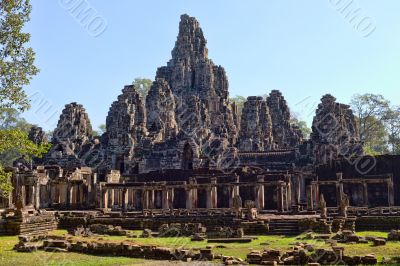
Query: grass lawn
x=10, y=257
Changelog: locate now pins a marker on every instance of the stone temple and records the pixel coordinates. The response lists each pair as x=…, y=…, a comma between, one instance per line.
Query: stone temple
x=186, y=151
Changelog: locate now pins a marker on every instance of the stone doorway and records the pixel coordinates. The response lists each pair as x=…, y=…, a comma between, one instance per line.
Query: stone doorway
x=179, y=198
x=270, y=198
x=201, y=198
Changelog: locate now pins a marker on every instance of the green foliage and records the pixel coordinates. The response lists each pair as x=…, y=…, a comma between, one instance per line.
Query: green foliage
x=378, y=122
x=143, y=86
x=102, y=129
x=392, y=121
x=302, y=125
x=239, y=101
x=5, y=184
x=16, y=60
x=370, y=110
x=16, y=70
x=18, y=140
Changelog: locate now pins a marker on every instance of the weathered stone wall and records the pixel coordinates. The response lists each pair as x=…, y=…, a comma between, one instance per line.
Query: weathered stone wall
x=256, y=126
x=334, y=131
x=191, y=73
x=73, y=132
x=126, y=126
x=285, y=134
x=160, y=107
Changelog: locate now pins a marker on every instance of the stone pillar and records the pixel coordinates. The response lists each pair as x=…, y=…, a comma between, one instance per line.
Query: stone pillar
x=104, y=200
x=281, y=203
x=75, y=194
x=297, y=190
x=111, y=193
x=117, y=198
x=37, y=196
x=194, y=193
x=212, y=194
x=151, y=199
x=130, y=198
x=189, y=195
x=171, y=198
x=339, y=187
x=234, y=190
x=70, y=194
x=390, y=193
x=125, y=199
x=289, y=196
x=209, y=200
x=165, y=200
x=145, y=199
x=315, y=195
x=62, y=193
x=310, y=195
x=259, y=189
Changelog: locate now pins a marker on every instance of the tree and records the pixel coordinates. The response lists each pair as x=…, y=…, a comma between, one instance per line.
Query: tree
x=100, y=130
x=239, y=101
x=16, y=70
x=392, y=121
x=17, y=140
x=143, y=86
x=10, y=119
x=370, y=111
x=302, y=125
x=16, y=60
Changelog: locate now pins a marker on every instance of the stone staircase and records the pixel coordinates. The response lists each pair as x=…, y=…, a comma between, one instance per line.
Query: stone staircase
x=283, y=227
x=254, y=228
x=37, y=228
x=33, y=224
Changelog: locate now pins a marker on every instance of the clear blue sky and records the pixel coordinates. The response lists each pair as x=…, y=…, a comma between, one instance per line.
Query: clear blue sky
x=303, y=48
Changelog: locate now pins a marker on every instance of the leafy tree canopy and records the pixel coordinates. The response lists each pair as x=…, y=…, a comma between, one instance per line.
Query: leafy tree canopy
x=143, y=85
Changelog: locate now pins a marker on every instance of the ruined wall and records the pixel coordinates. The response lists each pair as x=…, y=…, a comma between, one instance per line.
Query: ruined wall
x=284, y=133
x=256, y=126
x=190, y=73
x=160, y=107
x=126, y=126
x=72, y=134
x=334, y=131
x=37, y=135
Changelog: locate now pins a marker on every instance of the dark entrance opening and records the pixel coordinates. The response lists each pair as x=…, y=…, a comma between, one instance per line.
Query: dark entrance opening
x=355, y=192
x=179, y=198
x=378, y=195
x=247, y=193
x=158, y=199
x=270, y=199
x=27, y=196
x=223, y=195
x=329, y=192
x=187, y=160
x=201, y=198
x=138, y=200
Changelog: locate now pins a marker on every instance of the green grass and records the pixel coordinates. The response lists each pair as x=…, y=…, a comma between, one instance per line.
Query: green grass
x=10, y=257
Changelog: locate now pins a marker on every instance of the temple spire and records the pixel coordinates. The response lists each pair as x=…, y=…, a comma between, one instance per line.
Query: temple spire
x=190, y=43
